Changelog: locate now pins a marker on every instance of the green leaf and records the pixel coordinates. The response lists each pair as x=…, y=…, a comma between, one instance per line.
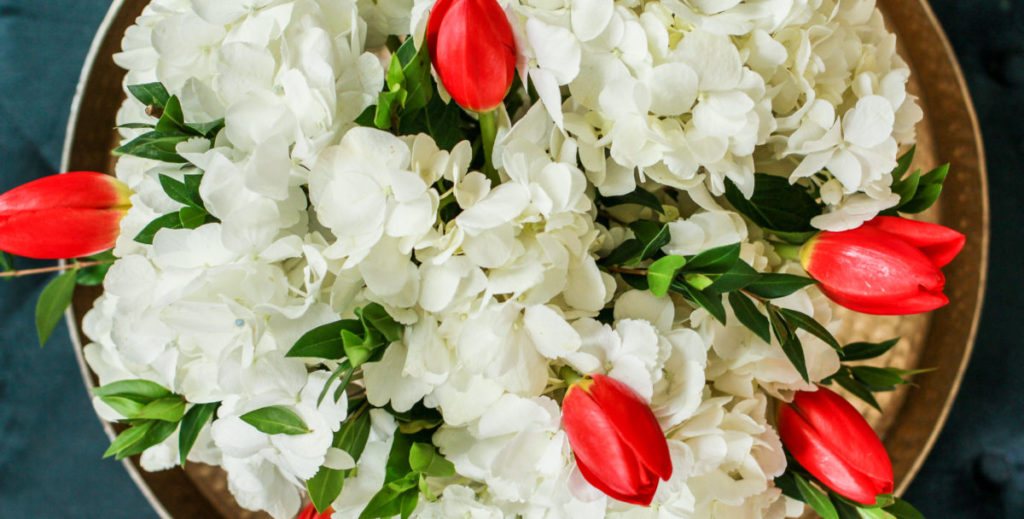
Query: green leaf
x=192, y=424
x=155, y=145
x=150, y=94
x=867, y=350
x=170, y=409
x=179, y=192
x=325, y=487
x=926, y=197
x=126, y=407
x=6, y=262
x=167, y=221
x=883, y=378
x=378, y=317
x=747, y=313
x=817, y=499
x=698, y=281
x=353, y=434
x=208, y=129
x=172, y=120
x=856, y=388
x=903, y=163
x=418, y=81
x=53, y=302
x=936, y=176
x=395, y=78
x=903, y=510
x=640, y=196
x=276, y=420
x=139, y=390
x=710, y=301
x=94, y=275
x=192, y=217
x=718, y=260
x=736, y=278
x=846, y=510
x=656, y=242
x=776, y=205
x=789, y=342
x=661, y=273
x=807, y=323
x=393, y=499
x=772, y=286
x=343, y=368
x=129, y=438
x=324, y=342
x=907, y=187
x=135, y=126
x=386, y=107
x=423, y=457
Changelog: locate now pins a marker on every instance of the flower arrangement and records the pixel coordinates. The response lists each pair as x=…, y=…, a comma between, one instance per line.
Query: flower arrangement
x=482, y=259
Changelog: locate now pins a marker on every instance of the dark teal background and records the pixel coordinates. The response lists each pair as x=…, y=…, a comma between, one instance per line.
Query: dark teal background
x=51, y=442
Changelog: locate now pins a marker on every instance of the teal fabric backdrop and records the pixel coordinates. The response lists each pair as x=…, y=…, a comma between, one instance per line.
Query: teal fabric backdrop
x=51, y=442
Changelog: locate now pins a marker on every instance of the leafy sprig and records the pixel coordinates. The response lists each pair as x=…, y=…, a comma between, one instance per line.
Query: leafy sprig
x=799, y=484
x=917, y=192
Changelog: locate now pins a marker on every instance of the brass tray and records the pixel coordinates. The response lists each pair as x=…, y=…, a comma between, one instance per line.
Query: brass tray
x=942, y=340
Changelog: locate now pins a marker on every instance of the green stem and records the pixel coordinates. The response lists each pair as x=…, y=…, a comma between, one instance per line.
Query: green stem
x=570, y=375
x=48, y=270
x=489, y=132
x=787, y=250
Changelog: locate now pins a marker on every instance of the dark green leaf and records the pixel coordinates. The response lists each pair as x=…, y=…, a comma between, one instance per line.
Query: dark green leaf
x=418, y=81
x=776, y=205
x=276, y=420
x=867, y=350
x=398, y=459
x=925, y=198
x=736, y=278
x=343, y=369
x=636, y=281
x=180, y=192
x=787, y=484
x=353, y=434
x=126, y=407
x=53, y=302
x=444, y=122
x=378, y=317
x=903, y=510
x=807, y=323
x=423, y=457
x=845, y=510
x=653, y=246
x=710, y=301
x=192, y=424
x=907, y=187
x=135, y=126
x=817, y=499
x=172, y=120
x=794, y=237
x=170, y=409
x=789, y=342
x=150, y=94
x=718, y=260
x=626, y=253
x=640, y=196
x=192, y=217
x=150, y=433
x=747, y=313
x=139, y=390
x=661, y=273
x=936, y=176
x=393, y=499
x=324, y=342
x=6, y=262
x=327, y=484
x=167, y=221
x=156, y=146
x=856, y=388
x=366, y=119
x=772, y=286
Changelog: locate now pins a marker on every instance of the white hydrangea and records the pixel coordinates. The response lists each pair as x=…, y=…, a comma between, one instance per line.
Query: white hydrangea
x=316, y=216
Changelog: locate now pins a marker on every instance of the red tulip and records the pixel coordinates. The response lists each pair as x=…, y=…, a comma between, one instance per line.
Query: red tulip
x=63, y=216
x=619, y=446
x=829, y=438
x=888, y=266
x=310, y=513
x=473, y=50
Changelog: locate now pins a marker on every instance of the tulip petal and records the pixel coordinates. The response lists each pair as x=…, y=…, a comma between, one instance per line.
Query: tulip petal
x=939, y=243
x=821, y=460
x=60, y=232
x=920, y=302
x=595, y=442
x=871, y=269
x=437, y=13
x=475, y=52
x=642, y=496
x=635, y=423
x=81, y=189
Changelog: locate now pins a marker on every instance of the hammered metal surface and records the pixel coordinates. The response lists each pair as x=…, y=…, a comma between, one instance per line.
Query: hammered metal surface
x=943, y=340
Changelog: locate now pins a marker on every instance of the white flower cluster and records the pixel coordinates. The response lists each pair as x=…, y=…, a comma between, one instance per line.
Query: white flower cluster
x=319, y=216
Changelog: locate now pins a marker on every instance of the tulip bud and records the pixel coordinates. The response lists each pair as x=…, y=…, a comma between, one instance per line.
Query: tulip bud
x=888, y=266
x=620, y=449
x=63, y=216
x=310, y=513
x=473, y=50
x=829, y=438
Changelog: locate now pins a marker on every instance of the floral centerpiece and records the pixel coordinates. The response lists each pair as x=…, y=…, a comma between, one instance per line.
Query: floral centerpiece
x=480, y=259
